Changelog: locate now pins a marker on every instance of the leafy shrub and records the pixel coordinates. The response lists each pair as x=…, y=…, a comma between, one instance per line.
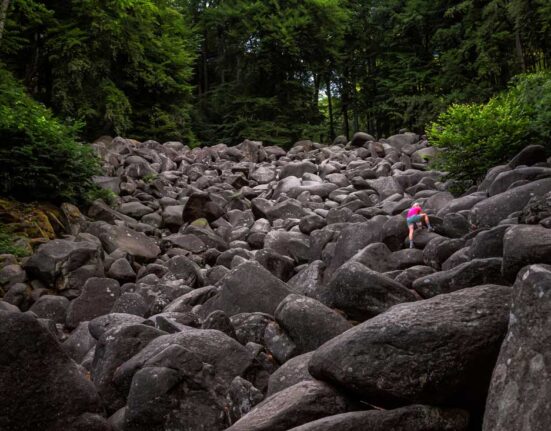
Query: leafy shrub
x=475, y=137
x=40, y=158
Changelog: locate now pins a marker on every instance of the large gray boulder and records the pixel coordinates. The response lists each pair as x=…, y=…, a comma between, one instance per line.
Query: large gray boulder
x=524, y=245
x=294, y=371
x=491, y=211
x=353, y=238
x=520, y=391
x=136, y=244
x=308, y=280
x=363, y=293
x=299, y=404
x=468, y=274
x=440, y=350
x=41, y=388
x=248, y=288
x=410, y=418
x=61, y=263
x=114, y=348
x=192, y=370
x=308, y=322
x=97, y=298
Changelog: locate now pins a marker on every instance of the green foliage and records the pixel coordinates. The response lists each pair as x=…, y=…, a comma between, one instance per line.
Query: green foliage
x=475, y=137
x=220, y=71
x=121, y=66
x=106, y=195
x=8, y=243
x=149, y=178
x=39, y=156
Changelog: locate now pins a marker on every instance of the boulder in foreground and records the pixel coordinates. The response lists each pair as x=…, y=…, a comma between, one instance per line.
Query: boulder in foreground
x=440, y=350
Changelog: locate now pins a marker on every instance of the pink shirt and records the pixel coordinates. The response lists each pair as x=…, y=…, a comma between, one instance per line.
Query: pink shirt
x=414, y=211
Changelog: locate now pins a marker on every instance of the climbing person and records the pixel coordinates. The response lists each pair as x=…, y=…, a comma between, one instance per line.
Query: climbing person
x=414, y=216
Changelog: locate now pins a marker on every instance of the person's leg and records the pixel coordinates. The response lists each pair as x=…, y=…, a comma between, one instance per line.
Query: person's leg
x=427, y=221
x=411, y=228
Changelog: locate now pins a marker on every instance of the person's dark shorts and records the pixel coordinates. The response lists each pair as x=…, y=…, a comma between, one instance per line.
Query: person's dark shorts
x=414, y=219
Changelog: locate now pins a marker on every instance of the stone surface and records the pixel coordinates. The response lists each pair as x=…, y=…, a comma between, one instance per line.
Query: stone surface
x=440, y=350
x=363, y=293
x=41, y=388
x=247, y=288
x=411, y=418
x=308, y=322
x=520, y=391
x=296, y=405
x=97, y=298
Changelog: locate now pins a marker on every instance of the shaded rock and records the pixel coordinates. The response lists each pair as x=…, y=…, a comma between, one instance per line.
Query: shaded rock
x=200, y=206
x=294, y=371
x=51, y=307
x=308, y=322
x=488, y=243
x=278, y=343
x=122, y=271
x=376, y=256
x=292, y=244
x=115, y=347
x=100, y=325
x=407, y=258
x=56, y=262
x=130, y=303
x=408, y=276
x=199, y=364
x=308, y=280
x=491, y=211
x=135, y=209
x=519, y=394
x=352, y=239
x=297, y=169
x=247, y=288
x=434, y=351
x=529, y=155
x=219, y=321
x=310, y=223
x=468, y=274
x=242, y=397
x=97, y=298
x=410, y=418
x=79, y=343
x=289, y=208
x=304, y=402
x=136, y=244
x=524, y=245
x=250, y=327
x=363, y=293
x=281, y=266
x=43, y=387
x=438, y=250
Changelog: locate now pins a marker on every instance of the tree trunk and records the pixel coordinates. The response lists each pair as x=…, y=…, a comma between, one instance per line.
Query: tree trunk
x=330, y=106
x=520, y=52
x=3, y=15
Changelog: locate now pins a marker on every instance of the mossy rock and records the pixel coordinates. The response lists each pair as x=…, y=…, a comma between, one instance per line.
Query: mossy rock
x=200, y=222
x=25, y=226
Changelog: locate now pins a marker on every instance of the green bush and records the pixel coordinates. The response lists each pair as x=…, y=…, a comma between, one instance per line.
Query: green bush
x=40, y=159
x=475, y=137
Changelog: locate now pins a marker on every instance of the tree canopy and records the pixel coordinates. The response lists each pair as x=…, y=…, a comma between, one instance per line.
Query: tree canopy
x=214, y=71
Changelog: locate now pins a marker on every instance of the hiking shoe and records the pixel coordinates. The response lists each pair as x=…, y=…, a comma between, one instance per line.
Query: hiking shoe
x=430, y=229
x=411, y=245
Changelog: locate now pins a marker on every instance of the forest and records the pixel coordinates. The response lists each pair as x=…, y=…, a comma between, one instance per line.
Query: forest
x=472, y=75
x=273, y=70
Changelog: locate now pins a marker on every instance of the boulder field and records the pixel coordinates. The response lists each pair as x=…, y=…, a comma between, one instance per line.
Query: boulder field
x=251, y=288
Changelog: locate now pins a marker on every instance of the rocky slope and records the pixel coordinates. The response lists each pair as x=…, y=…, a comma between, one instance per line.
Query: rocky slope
x=250, y=288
